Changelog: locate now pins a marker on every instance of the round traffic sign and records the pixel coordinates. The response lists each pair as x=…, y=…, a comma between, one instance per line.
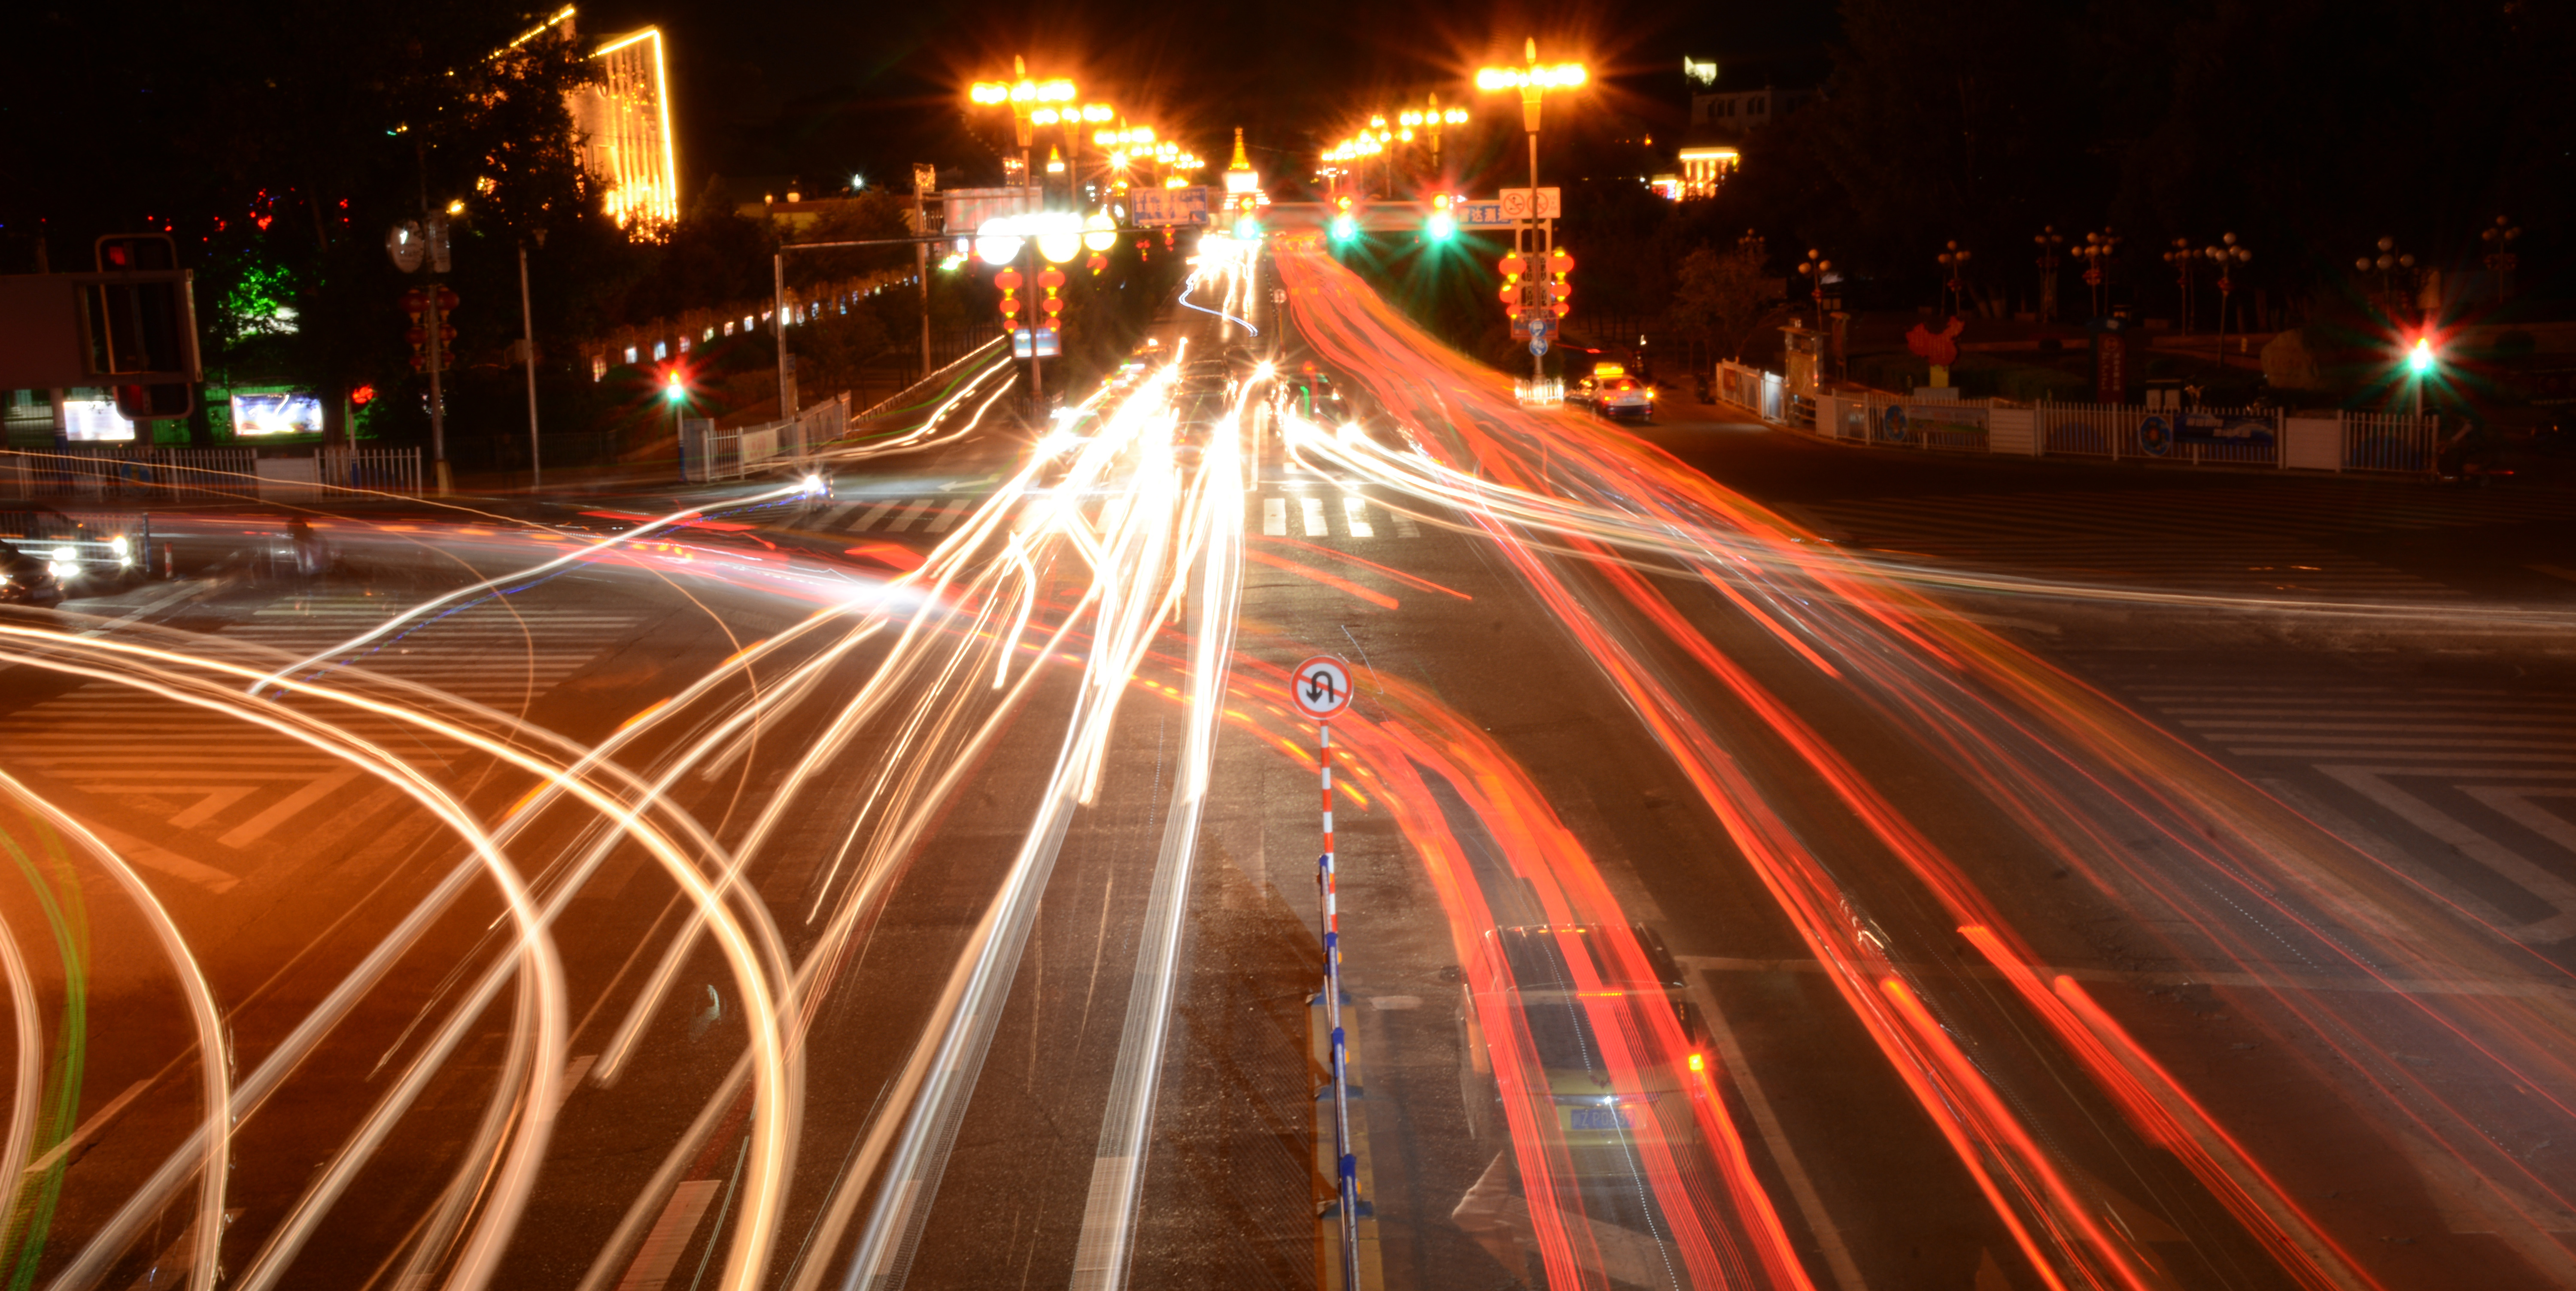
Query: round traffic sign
x=1321, y=687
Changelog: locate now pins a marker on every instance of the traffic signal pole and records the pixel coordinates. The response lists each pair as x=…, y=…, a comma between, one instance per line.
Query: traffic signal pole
x=437, y=400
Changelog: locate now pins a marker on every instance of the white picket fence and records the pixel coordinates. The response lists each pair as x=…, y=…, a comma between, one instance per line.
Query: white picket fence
x=2363, y=443
x=175, y=474
x=708, y=454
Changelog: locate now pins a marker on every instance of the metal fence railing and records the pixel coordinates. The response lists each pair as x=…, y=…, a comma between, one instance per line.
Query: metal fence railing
x=2191, y=436
x=368, y=470
x=2373, y=443
x=176, y=474
x=1927, y=423
x=708, y=453
x=2384, y=444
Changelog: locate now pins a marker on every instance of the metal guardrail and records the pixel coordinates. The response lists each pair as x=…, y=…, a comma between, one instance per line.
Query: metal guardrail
x=970, y=358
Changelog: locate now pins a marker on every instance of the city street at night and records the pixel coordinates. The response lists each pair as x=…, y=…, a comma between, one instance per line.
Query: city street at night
x=773, y=651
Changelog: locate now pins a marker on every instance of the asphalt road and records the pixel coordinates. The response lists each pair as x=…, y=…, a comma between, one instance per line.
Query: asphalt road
x=1922, y=872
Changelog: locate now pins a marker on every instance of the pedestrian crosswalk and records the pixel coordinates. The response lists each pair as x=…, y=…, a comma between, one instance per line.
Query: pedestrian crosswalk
x=896, y=515
x=1308, y=515
x=2470, y=789
x=202, y=795
x=2275, y=539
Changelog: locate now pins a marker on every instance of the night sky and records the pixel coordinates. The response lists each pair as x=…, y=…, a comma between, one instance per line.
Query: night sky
x=822, y=91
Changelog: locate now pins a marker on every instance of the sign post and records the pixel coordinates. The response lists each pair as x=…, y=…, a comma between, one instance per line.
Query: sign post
x=1321, y=689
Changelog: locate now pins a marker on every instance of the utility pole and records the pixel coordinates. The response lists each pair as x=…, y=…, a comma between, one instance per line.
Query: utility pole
x=528, y=338
x=437, y=229
x=778, y=329
x=924, y=180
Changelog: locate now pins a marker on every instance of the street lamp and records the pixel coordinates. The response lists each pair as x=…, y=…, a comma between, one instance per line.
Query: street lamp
x=2098, y=255
x=1814, y=267
x=1955, y=260
x=2048, y=239
x=1024, y=97
x=2500, y=258
x=1533, y=80
x=2182, y=258
x=2226, y=255
x=2389, y=262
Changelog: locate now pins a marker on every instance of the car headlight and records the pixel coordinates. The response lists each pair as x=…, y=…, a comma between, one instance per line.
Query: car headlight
x=118, y=545
x=62, y=570
x=65, y=554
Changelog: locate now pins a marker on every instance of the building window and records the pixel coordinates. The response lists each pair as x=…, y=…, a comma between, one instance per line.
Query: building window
x=598, y=366
x=660, y=351
x=1757, y=107
x=630, y=354
x=684, y=345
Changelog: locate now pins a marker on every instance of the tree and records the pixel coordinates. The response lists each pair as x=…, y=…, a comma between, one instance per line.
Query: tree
x=1722, y=297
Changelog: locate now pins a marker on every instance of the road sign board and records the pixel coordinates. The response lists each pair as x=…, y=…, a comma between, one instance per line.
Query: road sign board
x=1154, y=208
x=1321, y=687
x=968, y=208
x=1516, y=204
x=1480, y=215
x=1538, y=347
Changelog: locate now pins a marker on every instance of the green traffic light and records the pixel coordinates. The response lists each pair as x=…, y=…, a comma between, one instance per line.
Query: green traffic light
x=1345, y=228
x=1441, y=227
x=2420, y=360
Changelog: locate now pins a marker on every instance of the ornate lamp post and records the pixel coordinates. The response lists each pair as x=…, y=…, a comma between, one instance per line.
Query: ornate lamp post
x=1533, y=81
x=2500, y=257
x=2183, y=258
x=1954, y=260
x=2389, y=262
x=1814, y=268
x=2226, y=255
x=1024, y=97
x=2098, y=255
x=2048, y=240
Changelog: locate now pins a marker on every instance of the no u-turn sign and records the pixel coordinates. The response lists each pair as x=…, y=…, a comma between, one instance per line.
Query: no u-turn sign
x=1321, y=687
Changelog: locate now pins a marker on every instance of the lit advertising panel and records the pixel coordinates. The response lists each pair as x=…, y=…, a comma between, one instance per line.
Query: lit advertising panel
x=282, y=412
x=95, y=421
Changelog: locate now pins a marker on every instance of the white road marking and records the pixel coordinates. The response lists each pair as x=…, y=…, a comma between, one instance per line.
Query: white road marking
x=669, y=1239
x=1355, y=515
x=286, y=808
x=910, y=515
x=154, y=857
x=1313, y=509
x=1274, y=517
x=875, y=513
x=89, y=1129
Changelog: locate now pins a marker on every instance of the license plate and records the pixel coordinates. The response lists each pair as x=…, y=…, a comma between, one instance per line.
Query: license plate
x=1600, y=1118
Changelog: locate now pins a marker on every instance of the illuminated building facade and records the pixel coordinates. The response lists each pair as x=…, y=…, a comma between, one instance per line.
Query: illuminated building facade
x=624, y=119
x=1703, y=169
x=622, y=125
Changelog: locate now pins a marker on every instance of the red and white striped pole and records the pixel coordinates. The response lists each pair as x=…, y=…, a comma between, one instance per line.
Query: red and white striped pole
x=1321, y=689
